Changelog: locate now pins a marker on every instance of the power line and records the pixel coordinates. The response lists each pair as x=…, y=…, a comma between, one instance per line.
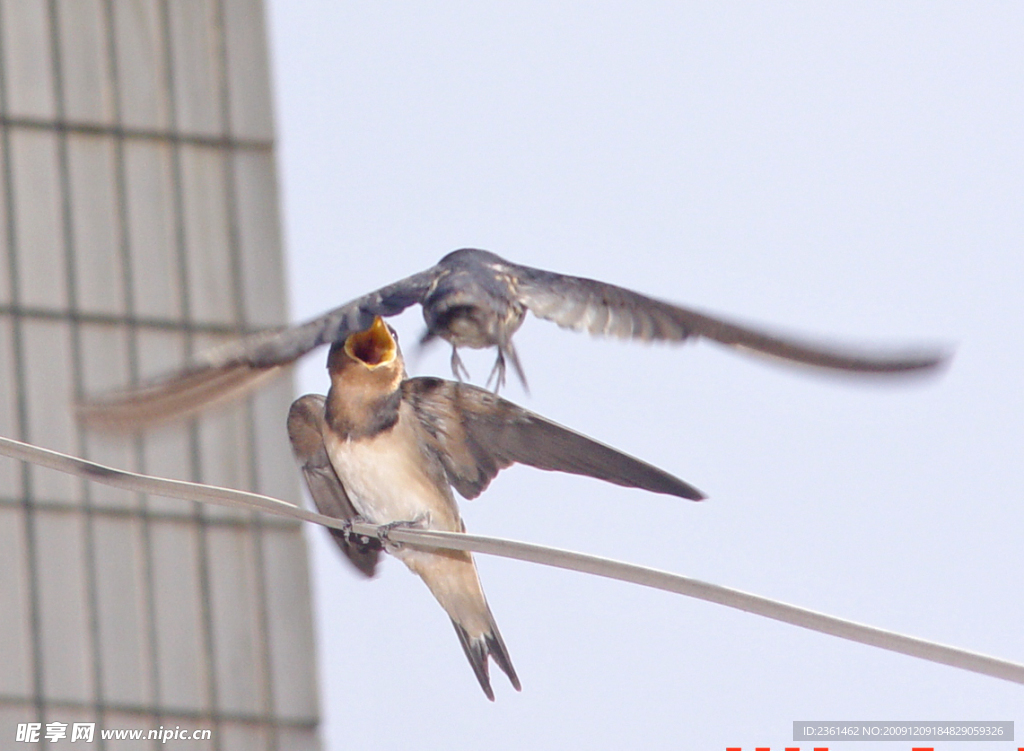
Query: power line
x=588, y=564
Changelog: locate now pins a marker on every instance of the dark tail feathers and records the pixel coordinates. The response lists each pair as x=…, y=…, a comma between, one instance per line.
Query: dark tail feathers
x=477, y=651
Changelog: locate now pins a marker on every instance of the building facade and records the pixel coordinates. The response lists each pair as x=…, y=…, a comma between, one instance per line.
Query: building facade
x=139, y=222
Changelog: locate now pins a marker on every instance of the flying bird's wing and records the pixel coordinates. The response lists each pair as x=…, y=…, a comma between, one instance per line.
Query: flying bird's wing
x=305, y=430
x=231, y=370
x=605, y=309
x=477, y=434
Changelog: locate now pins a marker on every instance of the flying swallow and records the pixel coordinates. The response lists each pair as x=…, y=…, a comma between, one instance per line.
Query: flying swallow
x=473, y=298
x=389, y=449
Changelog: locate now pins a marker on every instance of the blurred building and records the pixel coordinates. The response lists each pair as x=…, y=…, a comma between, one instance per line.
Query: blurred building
x=138, y=223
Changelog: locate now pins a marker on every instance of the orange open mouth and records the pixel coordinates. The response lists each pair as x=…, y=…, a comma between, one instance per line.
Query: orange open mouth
x=373, y=347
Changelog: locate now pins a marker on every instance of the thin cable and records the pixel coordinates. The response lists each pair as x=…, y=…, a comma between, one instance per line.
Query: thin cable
x=732, y=598
x=188, y=491
x=587, y=564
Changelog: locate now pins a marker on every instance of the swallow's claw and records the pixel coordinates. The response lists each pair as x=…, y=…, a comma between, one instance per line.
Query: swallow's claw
x=458, y=367
x=346, y=529
x=497, y=373
x=362, y=542
x=383, y=530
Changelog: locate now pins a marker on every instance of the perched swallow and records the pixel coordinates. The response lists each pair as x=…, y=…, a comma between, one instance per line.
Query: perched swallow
x=389, y=449
x=473, y=298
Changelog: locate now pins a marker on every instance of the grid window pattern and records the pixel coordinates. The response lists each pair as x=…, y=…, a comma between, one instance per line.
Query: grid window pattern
x=138, y=224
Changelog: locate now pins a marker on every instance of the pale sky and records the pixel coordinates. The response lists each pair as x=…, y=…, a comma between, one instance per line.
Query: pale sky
x=848, y=171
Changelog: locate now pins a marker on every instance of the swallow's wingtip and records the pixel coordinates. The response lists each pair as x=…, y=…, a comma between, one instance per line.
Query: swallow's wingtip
x=943, y=356
x=929, y=360
x=924, y=363
x=685, y=490
x=109, y=417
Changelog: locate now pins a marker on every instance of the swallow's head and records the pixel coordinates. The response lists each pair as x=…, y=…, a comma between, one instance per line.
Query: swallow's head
x=368, y=361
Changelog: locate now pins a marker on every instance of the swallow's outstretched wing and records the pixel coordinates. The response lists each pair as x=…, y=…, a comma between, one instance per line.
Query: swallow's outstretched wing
x=230, y=371
x=476, y=434
x=305, y=430
x=607, y=310
x=473, y=298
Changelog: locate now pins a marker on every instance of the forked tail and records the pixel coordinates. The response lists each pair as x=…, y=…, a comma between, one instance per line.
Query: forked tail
x=477, y=650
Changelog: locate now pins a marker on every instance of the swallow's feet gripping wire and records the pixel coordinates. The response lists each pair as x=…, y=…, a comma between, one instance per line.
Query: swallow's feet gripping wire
x=362, y=543
x=383, y=530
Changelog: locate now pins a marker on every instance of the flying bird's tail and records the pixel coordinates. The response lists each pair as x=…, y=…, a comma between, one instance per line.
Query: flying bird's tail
x=453, y=580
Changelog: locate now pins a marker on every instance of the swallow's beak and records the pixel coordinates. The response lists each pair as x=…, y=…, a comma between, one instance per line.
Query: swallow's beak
x=374, y=347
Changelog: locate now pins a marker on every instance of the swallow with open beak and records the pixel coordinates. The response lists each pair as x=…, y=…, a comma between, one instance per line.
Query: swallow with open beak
x=473, y=298
x=389, y=449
